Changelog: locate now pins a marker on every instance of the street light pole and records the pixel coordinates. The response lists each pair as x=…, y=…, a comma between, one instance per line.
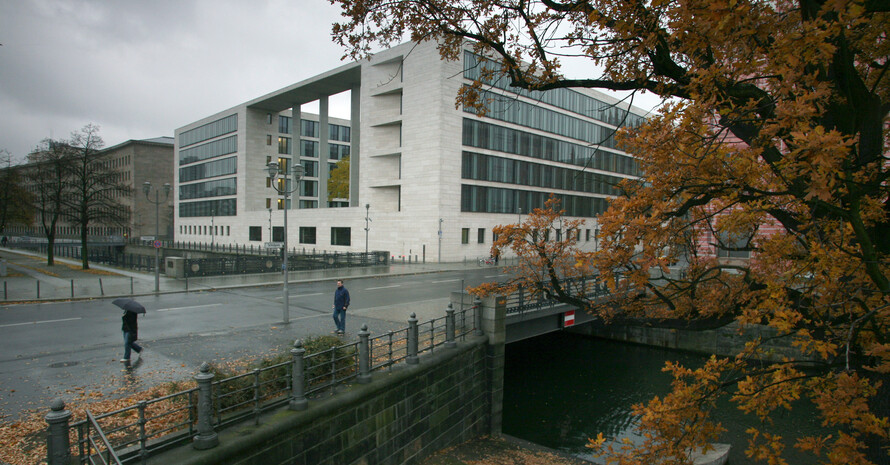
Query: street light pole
x=440, y=239
x=146, y=187
x=367, y=226
x=270, y=225
x=274, y=172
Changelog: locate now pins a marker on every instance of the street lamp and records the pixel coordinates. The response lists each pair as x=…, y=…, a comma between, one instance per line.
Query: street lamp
x=367, y=226
x=270, y=225
x=297, y=173
x=440, y=239
x=146, y=187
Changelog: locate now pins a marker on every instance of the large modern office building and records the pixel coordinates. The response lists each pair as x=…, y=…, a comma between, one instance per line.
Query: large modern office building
x=434, y=179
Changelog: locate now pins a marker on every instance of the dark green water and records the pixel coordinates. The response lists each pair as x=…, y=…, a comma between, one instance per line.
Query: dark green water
x=561, y=389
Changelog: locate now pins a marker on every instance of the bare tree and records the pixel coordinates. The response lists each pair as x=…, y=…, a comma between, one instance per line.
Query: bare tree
x=95, y=188
x=15, y=200
x=48, y=174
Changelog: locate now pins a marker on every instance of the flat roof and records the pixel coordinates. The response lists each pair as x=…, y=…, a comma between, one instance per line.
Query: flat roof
x=330, y=83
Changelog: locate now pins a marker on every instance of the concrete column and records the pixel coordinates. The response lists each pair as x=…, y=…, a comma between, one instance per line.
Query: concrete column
x=323, y=152
x=57, y=443
x=206, y=437
x=494, y=316
x=355, y=142
x=364, y=356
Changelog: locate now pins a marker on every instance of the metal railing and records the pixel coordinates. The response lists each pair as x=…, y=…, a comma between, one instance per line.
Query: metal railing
x=135, y=432
x=525, y=299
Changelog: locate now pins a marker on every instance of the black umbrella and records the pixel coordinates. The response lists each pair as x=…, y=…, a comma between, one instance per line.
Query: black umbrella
x=129, y=305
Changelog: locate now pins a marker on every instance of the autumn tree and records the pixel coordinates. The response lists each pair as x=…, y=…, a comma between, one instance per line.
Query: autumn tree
x=95, y=190
x=48, y=173
x=338, y=182
x=15, y=200
x=772, y=140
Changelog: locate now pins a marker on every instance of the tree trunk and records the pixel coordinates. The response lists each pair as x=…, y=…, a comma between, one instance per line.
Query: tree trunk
x=84, y=253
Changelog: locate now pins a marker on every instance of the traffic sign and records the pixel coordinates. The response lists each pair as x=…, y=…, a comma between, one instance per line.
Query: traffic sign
x=568, y=319
x=157, y=244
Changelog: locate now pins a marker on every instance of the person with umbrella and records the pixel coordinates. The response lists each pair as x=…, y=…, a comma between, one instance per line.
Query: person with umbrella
x=130, y=326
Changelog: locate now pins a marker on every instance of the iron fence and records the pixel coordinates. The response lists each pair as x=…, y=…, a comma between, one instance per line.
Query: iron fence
x=133, y=433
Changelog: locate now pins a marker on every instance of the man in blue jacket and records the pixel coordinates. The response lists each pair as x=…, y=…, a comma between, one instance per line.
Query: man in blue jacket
x=341, y=303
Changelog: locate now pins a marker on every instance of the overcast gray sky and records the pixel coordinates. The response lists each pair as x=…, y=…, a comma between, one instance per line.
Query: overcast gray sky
x=140, y=69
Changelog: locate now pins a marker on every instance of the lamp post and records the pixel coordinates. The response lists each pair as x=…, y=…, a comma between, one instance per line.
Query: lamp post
x=297, y=173
x=146, y=187
x=212, y=226
x=367, y=226
x=440, y=239
x=270, y=225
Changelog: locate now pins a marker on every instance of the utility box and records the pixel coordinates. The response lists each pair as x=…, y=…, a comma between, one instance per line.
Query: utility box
x=175, y=267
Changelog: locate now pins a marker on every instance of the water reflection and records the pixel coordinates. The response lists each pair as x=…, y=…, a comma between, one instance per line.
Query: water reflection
x=561, y=389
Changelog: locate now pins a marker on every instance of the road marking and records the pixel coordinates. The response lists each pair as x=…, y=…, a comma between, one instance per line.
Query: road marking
x=186, y=308
x=446, y=281
x=39, y=322
x=383, y=287
x=494, y=276
x=297, y=295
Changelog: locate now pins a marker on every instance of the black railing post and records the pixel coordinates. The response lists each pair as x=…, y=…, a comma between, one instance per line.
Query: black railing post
x=449, y=326
x=57, y=443
x=412, y=340
x=298, y=378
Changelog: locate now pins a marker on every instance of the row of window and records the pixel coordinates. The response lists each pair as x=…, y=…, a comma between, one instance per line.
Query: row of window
x=209, y=150
x=209, y=130
x=215, y=188
x=492, y=137
x=510, y=110
x=566, y=99
x=497, y=169
x=209, y=170
x=221, y=207
x=307, y=235
x=309, y=128
x=205, y=230
x=482, y=199
x=480, y=235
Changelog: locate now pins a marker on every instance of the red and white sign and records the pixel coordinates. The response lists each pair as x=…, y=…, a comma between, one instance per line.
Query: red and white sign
x=568, y=319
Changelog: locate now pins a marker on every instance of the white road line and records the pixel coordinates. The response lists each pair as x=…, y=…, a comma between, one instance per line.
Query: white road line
x=186, y=308
x=39, y=322
x=383, y=287
x=297, y=295
x=445, y=281
x=494, y=276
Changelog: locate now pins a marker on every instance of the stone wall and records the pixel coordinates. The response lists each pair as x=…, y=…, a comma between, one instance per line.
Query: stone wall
x=399, y=418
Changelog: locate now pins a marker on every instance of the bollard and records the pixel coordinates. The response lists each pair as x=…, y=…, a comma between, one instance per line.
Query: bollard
x=298, y=378
x=364, y=356
x=57, y=443
x=449, y=326
x=72, y=288
x=38, y=288
x=412, y=340
x=131, y=285
x=101, y=290
x=477, y=316
x=206, y=437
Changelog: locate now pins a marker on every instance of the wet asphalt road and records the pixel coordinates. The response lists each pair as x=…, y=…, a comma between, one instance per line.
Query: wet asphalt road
x=60, y=349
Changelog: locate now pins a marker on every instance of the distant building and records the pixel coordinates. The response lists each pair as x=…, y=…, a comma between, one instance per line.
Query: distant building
x=434, y=179
x=137, y=161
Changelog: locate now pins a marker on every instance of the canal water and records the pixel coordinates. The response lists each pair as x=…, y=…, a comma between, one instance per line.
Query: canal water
x=561, y=389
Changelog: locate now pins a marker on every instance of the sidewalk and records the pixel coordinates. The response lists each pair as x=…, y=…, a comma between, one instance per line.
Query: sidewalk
x=30, y=279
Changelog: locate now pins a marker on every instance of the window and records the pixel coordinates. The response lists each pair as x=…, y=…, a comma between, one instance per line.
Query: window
x=480, y=235
x=268, y=139
x=494, y=237
x=284, y=124
x=268, y=200
x=284, y=145
x=228, y=230
x=256, y=233
x=277, y=233
x=465, y=236
x=733, y=245
x=341, y=236
x=587, y=235
x=268, y=118
x=307, y=235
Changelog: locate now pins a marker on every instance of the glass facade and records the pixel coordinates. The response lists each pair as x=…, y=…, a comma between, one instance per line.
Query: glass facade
x=222, y=207
x=502, y=200
x=209, y=131
x=209, y=170
x=506, y=170
x=567, y=99
x=216, y=188
x=483, y=135
x=209, y=150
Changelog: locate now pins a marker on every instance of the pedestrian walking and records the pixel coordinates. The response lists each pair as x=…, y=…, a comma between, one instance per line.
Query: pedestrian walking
x=341, y=303
x=4, y=241
x=130, y=327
